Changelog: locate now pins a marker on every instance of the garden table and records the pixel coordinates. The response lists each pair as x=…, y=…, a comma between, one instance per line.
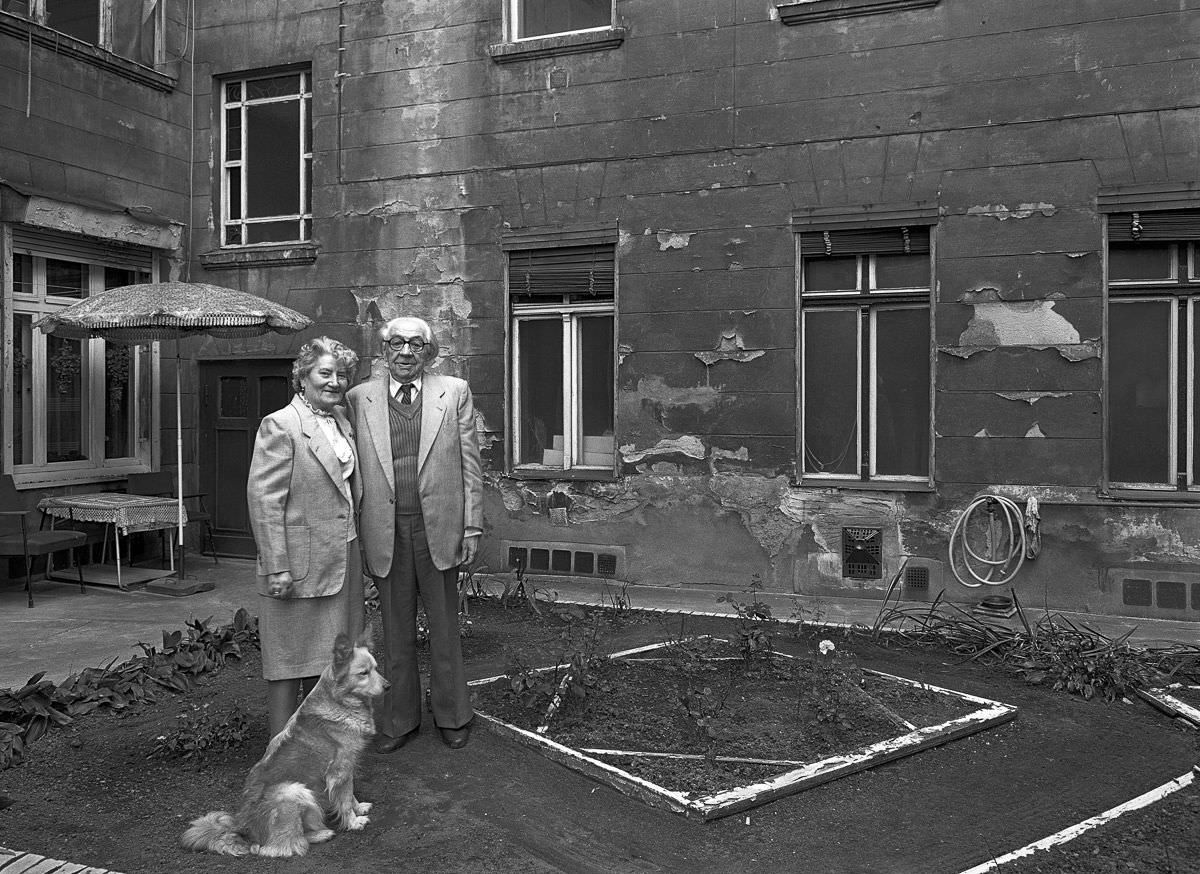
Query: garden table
x=122, y=514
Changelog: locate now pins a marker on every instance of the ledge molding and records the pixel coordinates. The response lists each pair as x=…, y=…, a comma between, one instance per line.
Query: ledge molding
x=558, y=44
x=61, y=44
x=793, y=14
x=260, y=256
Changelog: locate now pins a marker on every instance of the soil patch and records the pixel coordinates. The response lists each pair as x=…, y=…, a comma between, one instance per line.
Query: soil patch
x=701, y=699
x=89, y=793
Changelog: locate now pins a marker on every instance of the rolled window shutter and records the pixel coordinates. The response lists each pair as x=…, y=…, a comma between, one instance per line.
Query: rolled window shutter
x=865, y=241
x=1154, y=226
x=585, y=271
x=68, y=247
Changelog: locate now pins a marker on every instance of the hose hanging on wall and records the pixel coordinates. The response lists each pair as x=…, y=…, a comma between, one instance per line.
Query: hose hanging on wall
x=1003, y=540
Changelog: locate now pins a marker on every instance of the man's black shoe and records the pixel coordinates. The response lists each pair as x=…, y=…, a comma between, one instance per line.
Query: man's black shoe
x=456, y=738
x=391, y=744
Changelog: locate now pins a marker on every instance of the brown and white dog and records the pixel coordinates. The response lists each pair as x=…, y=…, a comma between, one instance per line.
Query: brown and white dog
x=307, y=772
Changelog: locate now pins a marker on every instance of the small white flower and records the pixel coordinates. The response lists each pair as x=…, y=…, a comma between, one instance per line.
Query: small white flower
x=826, y=647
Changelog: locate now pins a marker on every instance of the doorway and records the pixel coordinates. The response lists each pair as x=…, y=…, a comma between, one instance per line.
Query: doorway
x=234, y=397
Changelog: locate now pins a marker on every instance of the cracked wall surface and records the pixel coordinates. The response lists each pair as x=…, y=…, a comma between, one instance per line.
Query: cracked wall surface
x=428, y=151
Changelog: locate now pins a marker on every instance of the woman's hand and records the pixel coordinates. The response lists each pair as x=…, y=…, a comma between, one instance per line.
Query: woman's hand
x=279, y=585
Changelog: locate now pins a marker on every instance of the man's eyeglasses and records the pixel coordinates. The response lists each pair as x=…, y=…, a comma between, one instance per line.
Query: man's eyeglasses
x=416, y=344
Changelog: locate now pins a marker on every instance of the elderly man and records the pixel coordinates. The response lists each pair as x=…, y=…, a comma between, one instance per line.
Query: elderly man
x=421, y=517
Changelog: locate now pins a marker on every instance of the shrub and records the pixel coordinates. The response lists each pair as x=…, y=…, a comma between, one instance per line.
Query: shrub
x=199, y=735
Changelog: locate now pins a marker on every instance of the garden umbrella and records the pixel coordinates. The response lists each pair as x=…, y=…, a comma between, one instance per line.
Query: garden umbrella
x=132, y=314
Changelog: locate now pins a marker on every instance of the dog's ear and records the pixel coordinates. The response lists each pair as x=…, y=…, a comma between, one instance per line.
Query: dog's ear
x=342, y=651
x=365, y=639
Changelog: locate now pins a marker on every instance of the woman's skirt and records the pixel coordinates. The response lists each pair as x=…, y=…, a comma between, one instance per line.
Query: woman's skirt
x=297, y=634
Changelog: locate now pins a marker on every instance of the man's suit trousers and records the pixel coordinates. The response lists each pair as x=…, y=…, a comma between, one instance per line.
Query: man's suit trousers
x=413, y=572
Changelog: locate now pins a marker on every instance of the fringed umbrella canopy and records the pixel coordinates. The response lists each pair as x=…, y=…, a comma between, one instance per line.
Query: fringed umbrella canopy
x=134, y=314
x=171, y=311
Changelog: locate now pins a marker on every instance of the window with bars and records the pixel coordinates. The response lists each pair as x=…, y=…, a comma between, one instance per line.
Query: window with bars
x=74, y=408
x=865, y=353
x=1153, y=294
x=129, y=28
x=562, y=357
x=533, y=18
x=266, y=159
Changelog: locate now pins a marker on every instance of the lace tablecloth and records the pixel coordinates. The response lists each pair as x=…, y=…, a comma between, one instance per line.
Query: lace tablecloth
x=126, y=512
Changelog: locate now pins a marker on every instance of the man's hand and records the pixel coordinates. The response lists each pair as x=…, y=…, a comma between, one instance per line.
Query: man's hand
x=280, y=585
x=470, y=547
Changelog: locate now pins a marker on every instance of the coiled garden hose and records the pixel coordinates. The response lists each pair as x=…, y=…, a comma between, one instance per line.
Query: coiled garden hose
x=1003, y=541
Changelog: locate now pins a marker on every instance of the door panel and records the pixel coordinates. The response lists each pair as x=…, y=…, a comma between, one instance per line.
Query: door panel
x=234, y=397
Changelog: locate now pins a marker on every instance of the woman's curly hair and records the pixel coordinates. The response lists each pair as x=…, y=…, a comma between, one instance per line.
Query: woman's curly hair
x=312, y=351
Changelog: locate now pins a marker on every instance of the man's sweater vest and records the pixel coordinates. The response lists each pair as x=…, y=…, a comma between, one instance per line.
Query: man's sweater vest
x=404, y=421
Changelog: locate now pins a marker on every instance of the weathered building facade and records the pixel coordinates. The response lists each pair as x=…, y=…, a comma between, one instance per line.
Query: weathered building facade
x=742, y=290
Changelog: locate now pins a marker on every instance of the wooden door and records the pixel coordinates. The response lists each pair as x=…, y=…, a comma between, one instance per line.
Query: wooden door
x=234, y=397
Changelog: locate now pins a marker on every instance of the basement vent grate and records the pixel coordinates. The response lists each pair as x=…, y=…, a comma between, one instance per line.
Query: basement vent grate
x=574, y=559
x=1161, y=594
x=862, y=553
x=916, y=578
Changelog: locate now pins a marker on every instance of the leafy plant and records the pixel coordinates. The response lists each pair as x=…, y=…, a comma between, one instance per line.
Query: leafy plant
x=755, y=633
x=12, y=745
x=200, y=734
x=1051, y=651
x=617, y=601
x=831, y=678
x=40, y=704
x=1082, y=667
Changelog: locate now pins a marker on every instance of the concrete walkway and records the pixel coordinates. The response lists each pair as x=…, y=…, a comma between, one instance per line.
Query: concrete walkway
x=67, y=631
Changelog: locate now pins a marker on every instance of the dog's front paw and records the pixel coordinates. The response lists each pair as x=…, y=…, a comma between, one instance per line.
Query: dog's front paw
x=357, y=823
x=362, y=807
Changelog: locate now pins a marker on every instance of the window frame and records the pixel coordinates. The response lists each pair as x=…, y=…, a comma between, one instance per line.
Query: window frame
x=304, y=218
x=868, y=301
x=38, y=13
x=570, y=312
x=1180, y=291
x=512, y=24
x=146, y=423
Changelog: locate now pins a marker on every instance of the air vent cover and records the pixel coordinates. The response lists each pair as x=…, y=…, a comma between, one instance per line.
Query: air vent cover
x=862, y=553
x=567, y=559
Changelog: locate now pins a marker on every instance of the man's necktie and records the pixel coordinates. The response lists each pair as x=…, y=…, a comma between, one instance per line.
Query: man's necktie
x=406, y=391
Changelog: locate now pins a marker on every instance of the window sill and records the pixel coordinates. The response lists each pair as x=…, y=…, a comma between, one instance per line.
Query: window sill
x=61, y=44
x=551, y=473
x=260, y=256
x=865, y=485
x=43, y=478
x=1164, y=497
x=559, y=44
x=811, y=11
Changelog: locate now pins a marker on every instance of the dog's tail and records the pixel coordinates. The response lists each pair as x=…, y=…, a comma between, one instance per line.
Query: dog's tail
x=215, y=832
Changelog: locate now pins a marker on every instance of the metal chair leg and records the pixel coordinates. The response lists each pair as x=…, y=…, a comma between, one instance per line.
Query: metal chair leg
x=79, y=568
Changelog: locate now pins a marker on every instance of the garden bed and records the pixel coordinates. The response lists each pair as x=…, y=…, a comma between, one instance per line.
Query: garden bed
x=695, y=728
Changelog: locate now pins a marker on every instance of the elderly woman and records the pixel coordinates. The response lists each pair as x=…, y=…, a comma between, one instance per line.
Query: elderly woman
x=303, y=494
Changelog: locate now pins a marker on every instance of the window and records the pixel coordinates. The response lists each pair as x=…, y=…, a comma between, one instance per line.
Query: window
x=1153, y=295
x=129, y=28
x=562, y=350
x=76, y=409
x=864, y=353
x=533, y=18
x=266, y=131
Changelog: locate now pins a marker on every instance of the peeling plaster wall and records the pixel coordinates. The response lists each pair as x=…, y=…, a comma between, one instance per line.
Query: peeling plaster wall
x=427, y=151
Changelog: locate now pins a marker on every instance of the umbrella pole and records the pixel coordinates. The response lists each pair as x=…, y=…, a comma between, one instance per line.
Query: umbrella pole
x=179, y=462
